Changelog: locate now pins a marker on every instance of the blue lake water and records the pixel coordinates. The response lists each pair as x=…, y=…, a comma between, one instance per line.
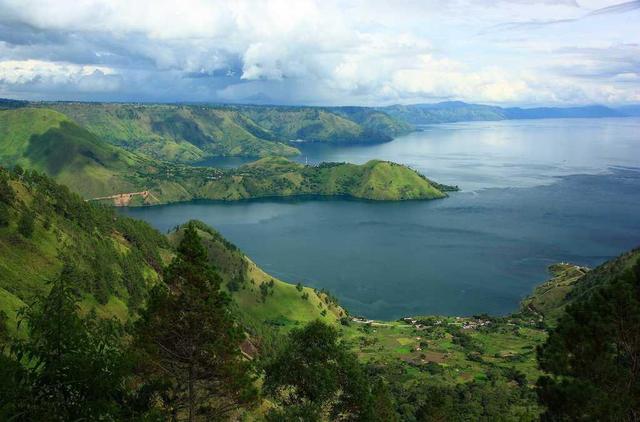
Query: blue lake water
x=533, y=193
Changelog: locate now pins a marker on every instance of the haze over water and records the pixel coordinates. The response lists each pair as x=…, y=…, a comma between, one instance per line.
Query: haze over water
x=533, y=193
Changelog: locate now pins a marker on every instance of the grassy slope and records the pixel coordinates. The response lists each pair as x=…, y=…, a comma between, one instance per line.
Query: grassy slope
x=374, y=121
x=177, y=133
x=310, y=124
x=48, y=141
x=27, y=264
x=282, y=306
x=192, y=132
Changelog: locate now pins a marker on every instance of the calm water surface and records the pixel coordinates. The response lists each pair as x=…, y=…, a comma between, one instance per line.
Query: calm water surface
x=534, y=192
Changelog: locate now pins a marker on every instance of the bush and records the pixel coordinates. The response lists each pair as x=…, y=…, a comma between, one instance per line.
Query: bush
x=26, y=225
x=4, y=215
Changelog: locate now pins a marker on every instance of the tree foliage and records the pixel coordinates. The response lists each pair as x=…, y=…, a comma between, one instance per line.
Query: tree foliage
x=316, y=377
x=72, y=366
x=26, y=224
x=191, y=341
x=593, y=356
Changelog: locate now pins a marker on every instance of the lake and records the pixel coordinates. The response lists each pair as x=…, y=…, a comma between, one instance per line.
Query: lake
x=533, y=193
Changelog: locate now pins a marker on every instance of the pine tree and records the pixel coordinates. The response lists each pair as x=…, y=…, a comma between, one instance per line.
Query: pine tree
x=191, y=340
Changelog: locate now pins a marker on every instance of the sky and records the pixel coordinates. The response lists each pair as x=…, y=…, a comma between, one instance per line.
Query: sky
x=325, y=52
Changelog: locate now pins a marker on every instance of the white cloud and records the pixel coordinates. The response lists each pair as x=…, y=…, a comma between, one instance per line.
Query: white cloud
x=28, y=71
x=349, y=52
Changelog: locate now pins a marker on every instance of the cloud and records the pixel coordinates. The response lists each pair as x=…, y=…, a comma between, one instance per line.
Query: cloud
x=320, y=52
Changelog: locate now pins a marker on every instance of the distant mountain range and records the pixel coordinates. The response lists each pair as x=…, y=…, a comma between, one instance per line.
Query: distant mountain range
x=458, y=111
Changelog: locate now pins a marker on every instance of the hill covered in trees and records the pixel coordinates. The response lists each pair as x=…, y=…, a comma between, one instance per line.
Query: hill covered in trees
x=120, y=322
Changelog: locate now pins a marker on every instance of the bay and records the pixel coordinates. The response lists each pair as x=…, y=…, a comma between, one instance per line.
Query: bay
x=533, y=193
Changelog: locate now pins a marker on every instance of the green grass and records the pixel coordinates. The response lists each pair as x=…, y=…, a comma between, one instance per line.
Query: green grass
x=48, y=141
x=283, y=306
x=66, y=224
x=570, y=282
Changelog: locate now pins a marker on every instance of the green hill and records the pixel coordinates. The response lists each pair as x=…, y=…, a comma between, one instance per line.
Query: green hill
x=458, y=111
x=50, y=142
x=189, y=133
x=276, y=176
x=176, y=133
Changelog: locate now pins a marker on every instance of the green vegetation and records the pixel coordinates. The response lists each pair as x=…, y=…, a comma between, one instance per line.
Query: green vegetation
x=187, y=133
x=176, y=133
x=76, y=157
x=128, y=324
x=274, y=176
x=458, y=111
x=315, y=377
x=447, y=112
x=72, y=366
x=115, y=258
x=190, y=341
x=47, y=141
x=592, y=355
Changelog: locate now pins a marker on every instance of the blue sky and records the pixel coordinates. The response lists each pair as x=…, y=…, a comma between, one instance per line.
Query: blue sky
x=361, y=52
